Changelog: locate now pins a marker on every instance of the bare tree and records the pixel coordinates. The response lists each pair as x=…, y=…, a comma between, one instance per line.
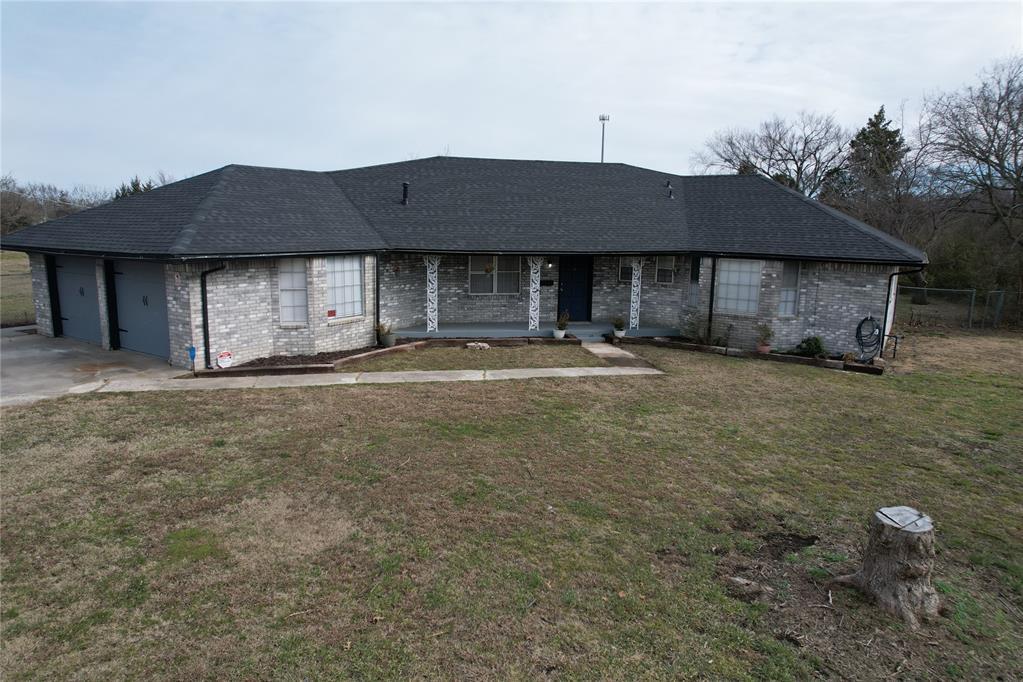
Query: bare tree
x=978, y=138
x=802, y=153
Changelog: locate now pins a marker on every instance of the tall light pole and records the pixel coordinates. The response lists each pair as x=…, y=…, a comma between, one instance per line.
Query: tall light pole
x=603, y=118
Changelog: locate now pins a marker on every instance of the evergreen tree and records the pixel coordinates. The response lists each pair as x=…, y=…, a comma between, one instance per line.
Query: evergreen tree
x=133, y=186
x=876, y=150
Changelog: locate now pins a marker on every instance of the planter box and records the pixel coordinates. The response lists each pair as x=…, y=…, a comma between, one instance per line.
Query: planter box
x=276, y=370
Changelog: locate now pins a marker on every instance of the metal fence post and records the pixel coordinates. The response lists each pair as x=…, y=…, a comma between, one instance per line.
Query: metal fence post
x=973, y=301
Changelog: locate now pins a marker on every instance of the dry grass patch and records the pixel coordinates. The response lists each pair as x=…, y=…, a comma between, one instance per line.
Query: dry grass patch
x=579, y=528
x=496, y=357
x=281, y=527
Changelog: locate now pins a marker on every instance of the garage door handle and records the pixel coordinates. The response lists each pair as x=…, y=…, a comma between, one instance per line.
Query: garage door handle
x=81, y=291
x=145, y=300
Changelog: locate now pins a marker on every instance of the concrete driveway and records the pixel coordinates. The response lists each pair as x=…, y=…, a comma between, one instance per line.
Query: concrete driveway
x=34, y=367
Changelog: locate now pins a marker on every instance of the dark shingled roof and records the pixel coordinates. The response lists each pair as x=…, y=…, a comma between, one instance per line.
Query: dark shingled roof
x=467, y=205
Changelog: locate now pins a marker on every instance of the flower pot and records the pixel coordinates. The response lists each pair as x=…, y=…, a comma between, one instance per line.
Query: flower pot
x=559, y=333
x=387, y=340
x=619, y=333
x=763, y=348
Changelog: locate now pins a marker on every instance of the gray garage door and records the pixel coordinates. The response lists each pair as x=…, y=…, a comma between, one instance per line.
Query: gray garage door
x=79, y=298
x=142, y=307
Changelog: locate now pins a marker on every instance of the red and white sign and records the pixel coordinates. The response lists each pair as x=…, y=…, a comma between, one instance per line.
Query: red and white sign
x=331, y=313
x=224, y=359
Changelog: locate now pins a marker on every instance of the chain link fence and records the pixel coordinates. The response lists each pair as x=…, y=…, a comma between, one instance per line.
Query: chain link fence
x=930, y=307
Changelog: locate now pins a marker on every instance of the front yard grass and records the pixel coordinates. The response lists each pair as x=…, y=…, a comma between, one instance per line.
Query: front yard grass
x=559, y=528
x=16, y=307
x=496, y=357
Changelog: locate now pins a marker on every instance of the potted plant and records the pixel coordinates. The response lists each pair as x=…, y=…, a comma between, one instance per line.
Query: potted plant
x=384, y=335
x=619, y=327
x=561, y=325
x=764, y=336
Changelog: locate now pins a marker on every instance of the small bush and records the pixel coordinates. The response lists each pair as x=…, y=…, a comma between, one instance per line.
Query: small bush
x=563, y=319
x=811, y=347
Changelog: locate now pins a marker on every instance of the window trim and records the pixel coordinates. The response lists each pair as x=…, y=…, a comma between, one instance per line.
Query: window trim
x=328, y=290
x=695, y=263
x=495, y=259
x=658, y=268
x=292, y=324
x=758, y=284
x=782, y=289
x=621, y=265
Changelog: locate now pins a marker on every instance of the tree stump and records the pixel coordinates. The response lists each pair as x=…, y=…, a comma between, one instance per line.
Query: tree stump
x=897, y=564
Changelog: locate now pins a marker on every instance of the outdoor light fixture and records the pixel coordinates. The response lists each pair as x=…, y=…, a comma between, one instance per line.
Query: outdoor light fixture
x=550, y=263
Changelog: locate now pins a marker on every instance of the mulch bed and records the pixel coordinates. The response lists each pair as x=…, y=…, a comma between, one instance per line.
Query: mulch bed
x=317, y=359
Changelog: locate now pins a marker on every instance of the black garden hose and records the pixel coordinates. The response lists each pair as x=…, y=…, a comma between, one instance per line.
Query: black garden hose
x=868, y=338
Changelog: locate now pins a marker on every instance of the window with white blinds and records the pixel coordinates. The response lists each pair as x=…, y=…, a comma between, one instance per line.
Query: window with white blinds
x=293, y=291
x=738, y=286
x=344, y=286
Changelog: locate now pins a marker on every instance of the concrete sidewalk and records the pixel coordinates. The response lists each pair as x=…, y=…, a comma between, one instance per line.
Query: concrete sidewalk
x=142, y=384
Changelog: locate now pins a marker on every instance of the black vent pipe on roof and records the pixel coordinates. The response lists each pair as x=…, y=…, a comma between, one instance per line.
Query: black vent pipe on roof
x=404, y=194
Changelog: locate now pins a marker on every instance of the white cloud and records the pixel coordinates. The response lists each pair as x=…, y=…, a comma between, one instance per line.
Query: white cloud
x=93, y=93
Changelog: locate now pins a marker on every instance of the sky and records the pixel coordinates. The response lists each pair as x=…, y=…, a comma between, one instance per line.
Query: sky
x=93, y=93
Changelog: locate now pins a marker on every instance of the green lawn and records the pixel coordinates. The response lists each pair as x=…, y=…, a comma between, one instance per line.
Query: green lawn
x=16, y=306
x=497, y=357
x=562, y=528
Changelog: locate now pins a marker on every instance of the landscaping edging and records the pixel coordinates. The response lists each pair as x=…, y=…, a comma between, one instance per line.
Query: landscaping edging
x=739, y=353
x=403, y=345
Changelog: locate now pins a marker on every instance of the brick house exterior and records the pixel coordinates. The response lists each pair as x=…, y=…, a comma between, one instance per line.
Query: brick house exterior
x=736, y=239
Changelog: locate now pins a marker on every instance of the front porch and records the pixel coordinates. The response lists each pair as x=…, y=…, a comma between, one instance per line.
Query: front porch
x=586, y=331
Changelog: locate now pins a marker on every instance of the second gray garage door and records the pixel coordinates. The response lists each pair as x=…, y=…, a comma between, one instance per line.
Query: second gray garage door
x=142, y=307
x=78, y=297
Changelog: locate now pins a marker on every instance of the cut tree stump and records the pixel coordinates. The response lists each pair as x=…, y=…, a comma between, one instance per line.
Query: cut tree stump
x=897, y=564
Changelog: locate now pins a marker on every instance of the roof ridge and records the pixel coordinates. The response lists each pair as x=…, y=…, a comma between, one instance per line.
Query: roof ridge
x=365, y=218
x=867, y=230
x=189, y=230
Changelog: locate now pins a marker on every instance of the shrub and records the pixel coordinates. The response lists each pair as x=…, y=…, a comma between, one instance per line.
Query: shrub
x=811, y=347
x=618, y=323
x=764, y=334
x=563, y=319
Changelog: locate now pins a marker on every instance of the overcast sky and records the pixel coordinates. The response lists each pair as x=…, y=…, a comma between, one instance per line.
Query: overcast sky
x=95, y=92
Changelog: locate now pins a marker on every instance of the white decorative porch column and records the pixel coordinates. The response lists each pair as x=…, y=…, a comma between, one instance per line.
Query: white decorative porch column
x=637, y=286
x=535, y=263
x=432, y=262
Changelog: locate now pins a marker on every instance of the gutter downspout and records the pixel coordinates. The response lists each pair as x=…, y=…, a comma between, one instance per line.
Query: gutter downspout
x=206, y=315
x=710, y=311
x=888, y=298
x=376, y=288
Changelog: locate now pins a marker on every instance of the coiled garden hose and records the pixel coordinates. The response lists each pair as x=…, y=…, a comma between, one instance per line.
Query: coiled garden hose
x=868, y=338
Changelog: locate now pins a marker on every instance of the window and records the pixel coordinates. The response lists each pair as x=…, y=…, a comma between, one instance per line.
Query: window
x=694, y=281
x=292, y=283
x=738, y=286
x=625, y=269
x=789, y=288
x=493, y=274
x=344, y=286
x=665, y=270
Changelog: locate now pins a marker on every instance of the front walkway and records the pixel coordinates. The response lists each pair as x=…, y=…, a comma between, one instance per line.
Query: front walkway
x=286, y=381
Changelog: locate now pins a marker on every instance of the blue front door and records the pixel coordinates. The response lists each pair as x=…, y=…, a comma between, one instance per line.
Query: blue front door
x=575, y=286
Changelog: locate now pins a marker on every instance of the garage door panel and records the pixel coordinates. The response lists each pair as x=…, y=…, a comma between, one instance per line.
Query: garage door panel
x=79, y=298
x=142, y=307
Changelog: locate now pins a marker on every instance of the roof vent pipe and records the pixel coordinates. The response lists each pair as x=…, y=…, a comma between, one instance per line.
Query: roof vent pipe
x=671, y=192
x=404, y=194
